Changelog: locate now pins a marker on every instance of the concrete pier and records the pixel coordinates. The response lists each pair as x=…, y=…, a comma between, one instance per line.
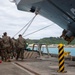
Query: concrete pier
x=43, y=66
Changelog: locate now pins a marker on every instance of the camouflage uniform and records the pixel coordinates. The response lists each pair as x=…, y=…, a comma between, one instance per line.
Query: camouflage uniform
x=13, y=53
x=7, y=46
x=0, y=46
x=1, y=49
x=21, y=44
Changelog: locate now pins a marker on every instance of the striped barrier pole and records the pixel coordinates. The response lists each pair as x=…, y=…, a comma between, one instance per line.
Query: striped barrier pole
x=61, y=58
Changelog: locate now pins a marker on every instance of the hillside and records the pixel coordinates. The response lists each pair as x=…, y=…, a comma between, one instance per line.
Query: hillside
x=49, y=40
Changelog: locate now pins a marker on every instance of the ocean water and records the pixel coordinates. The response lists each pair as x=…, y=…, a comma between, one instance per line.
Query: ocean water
x=55, y=50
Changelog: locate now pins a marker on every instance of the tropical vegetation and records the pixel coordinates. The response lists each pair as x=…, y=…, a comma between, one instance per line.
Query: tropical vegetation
x=49, y=40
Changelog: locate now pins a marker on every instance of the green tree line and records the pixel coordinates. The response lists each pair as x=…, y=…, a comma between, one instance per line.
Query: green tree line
x=49, y=40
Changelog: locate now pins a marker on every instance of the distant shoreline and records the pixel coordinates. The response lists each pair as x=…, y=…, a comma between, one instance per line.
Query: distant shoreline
x=65, y=46
x=55, y=46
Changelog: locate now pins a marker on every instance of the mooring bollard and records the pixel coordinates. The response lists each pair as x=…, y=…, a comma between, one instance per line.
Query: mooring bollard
x=61, y=58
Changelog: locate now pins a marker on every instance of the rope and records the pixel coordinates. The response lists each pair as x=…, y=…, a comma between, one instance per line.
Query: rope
x=38, y=30
x=28, y=25
x=24, y=26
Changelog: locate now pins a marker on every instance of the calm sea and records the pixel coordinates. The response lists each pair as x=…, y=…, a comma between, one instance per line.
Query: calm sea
x=55, y=50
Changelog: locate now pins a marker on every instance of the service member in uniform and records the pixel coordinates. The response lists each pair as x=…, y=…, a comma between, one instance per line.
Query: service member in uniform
x=7, y=45
x=21, y=44
x=13, y=51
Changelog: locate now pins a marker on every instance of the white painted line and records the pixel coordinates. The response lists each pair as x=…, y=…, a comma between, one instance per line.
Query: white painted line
x=23, y=69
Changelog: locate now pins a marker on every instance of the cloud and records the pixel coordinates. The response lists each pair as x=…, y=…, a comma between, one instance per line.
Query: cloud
x=12, y=20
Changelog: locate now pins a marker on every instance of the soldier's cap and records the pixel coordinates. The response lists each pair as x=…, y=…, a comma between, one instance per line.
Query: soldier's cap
x=5, y=33
x=20, y=35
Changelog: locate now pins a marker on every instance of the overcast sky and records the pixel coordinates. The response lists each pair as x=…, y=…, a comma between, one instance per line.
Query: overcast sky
x=12, y=20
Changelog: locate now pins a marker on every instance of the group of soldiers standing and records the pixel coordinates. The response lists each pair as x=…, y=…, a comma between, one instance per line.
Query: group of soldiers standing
x=10, y=47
